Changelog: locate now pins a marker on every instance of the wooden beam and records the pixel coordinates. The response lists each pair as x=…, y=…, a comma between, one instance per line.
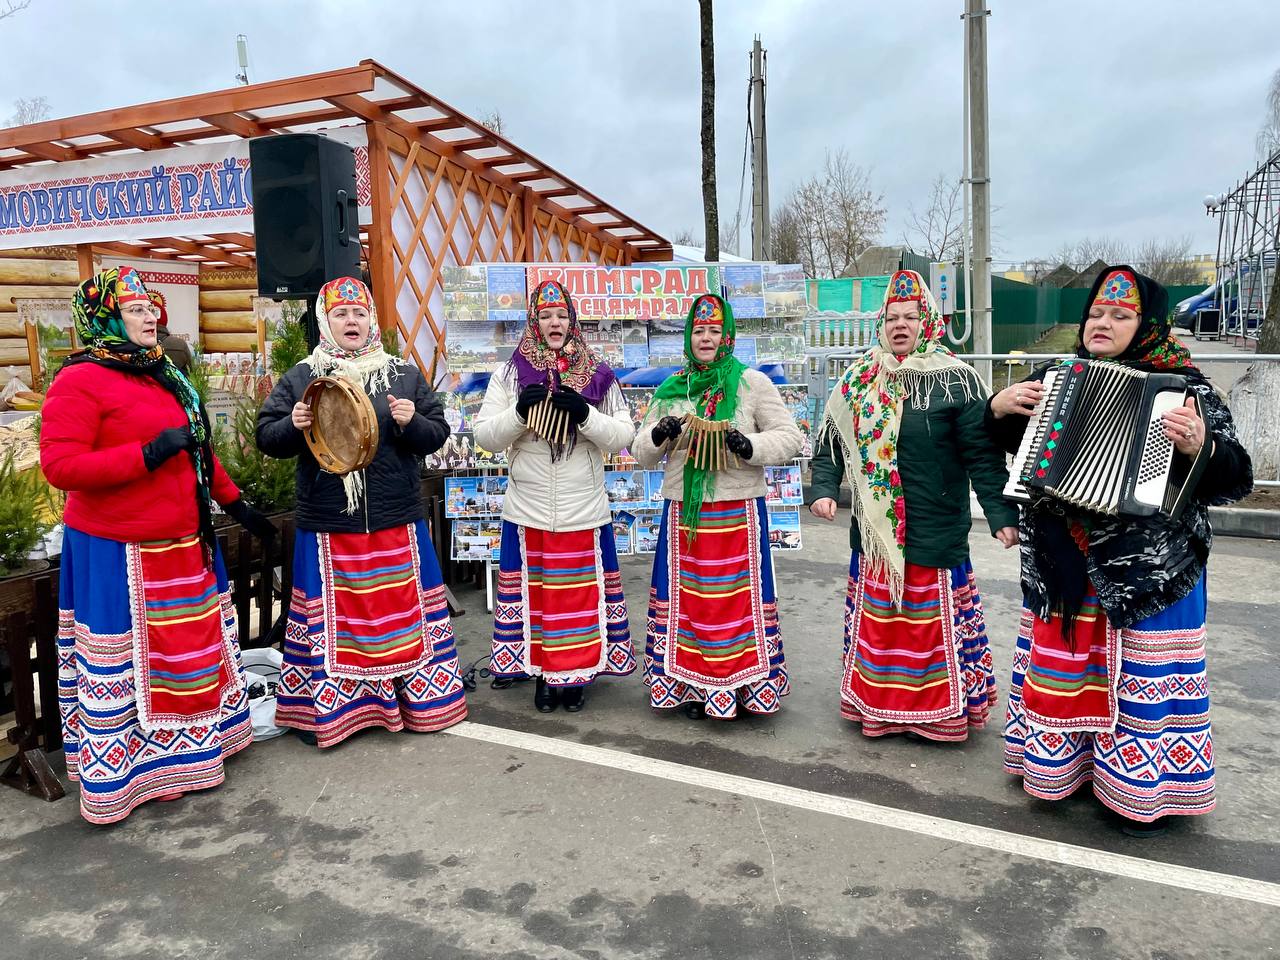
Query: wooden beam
x=84, y=260
x=380, y=267
x=51, y=151
x=432, y=124
x=526, y=224
x=128, y=250
x=274, y=93
x=558, y=192
x=507, y=161
x=209, y=253
x=234, y=123
x=138, y=139
x=471, y=143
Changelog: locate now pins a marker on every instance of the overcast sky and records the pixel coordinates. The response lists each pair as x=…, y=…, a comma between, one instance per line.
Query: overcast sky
x=1109, y=117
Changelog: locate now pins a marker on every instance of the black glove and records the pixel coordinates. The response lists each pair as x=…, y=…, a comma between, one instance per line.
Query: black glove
x=166, y=444
x=668, y=428
x=571, y=400
x=531, y=395
x=738, y=443
x=249, y=518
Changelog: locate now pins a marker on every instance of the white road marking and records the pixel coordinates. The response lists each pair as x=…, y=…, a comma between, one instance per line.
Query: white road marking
x=937, y=828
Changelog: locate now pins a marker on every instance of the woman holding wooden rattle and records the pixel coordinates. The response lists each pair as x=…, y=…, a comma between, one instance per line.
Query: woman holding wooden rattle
x=713, y=643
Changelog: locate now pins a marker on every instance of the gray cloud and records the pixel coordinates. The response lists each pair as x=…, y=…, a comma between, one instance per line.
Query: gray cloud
x=1106, y=117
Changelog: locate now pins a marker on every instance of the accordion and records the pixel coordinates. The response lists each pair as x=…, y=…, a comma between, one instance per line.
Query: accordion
x=1096, y=441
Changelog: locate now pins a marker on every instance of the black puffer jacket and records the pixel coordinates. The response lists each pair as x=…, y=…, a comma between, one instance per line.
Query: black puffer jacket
x=392, y=492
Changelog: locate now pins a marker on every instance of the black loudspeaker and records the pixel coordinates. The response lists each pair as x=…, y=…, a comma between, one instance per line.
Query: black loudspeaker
x=305, y=213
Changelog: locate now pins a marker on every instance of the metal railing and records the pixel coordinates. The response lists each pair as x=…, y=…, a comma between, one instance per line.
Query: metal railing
x=824, y=367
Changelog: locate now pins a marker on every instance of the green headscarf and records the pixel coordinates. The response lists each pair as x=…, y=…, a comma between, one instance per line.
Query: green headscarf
x=712, y=389
x=96, y=309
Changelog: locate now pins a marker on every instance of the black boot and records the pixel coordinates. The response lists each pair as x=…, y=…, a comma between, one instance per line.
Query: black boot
x=306, y=736
x=1144, y=831
x=544, y=698
x=573, y=699
x=695, y=710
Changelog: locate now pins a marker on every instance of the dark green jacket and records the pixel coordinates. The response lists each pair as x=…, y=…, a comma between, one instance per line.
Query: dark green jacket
x=940, y=451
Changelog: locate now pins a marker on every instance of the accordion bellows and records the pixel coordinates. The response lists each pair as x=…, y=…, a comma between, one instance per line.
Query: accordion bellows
x=1096, y=441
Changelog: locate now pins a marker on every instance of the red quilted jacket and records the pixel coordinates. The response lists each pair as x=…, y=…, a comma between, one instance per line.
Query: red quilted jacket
x=95, y=422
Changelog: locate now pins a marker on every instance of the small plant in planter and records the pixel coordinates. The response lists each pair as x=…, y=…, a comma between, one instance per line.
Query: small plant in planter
x=267, y=483
x=288, y=338
x=28, y=511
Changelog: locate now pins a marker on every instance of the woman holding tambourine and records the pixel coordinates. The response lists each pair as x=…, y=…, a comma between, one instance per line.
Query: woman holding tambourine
x=369, y=642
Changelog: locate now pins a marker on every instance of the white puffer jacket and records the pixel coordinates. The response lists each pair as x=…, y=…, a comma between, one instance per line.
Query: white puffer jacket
x=564, y=495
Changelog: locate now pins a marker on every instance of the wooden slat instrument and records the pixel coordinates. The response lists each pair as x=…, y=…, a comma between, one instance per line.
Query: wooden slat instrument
x=705, y=441
x=548, y=422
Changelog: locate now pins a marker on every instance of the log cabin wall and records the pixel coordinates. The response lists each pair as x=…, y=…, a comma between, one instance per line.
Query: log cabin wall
x=30, y=273
x=226, y=302
x=226, y=310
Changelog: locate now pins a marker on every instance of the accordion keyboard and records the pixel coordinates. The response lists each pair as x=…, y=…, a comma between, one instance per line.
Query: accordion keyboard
x=1033, y=436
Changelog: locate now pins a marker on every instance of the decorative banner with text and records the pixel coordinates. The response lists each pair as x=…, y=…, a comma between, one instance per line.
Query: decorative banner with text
x=201, y=189
x=634, y=316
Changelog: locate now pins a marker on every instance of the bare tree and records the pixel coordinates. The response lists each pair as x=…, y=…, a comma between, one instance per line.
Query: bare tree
x=10, y=7
x=686, y=237
x=731, y=237
x=28, y=110
x=493, y=121
x=784, y=232
x=837, y=216
x=1167, y=261
x=1268, y=139
x=1269, y=334
x=938, y=231
x=711, y=214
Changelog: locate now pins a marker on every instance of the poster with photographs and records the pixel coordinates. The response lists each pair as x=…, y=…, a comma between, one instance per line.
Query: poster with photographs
x=784, y=291
x=648, y=531
x=796, y=398
x=624, y=532
x=479, y=539
x=474, y=496
x=782, y=486
x=744, y=288
x=508, y=301
x=626, y=489
x=653, y=487
x=784, y=530
x=635, y=343
x=461, y=453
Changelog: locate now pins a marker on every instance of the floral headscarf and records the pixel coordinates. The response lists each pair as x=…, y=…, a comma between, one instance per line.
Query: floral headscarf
x=99, y=323
x=712, y=388
x=575, y=365
x=1154, y=346
x=865, y=413
x=369, y=366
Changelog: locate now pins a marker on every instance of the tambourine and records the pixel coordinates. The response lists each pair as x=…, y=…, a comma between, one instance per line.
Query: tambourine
x=343, y=436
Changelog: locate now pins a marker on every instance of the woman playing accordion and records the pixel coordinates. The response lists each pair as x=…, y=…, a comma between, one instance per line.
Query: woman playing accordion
x=713, y=641
x=1109, y=682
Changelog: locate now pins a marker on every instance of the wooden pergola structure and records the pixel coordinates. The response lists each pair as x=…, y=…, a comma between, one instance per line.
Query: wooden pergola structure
x=445, y=189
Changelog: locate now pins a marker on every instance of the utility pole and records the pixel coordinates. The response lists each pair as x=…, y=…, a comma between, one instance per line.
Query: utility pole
x=975, y=29
x=761, y=242
x=242, y=54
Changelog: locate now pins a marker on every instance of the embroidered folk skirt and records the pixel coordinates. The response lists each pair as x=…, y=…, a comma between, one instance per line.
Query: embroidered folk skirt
x=368, y=642
x=713, y=635
x=1127, y=710
x=925, y=668
x=559, y=612
x=150, y=687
